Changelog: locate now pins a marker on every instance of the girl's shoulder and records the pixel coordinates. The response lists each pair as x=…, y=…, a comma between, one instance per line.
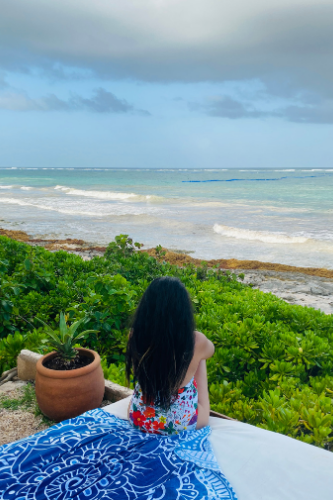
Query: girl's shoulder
x=203, y=348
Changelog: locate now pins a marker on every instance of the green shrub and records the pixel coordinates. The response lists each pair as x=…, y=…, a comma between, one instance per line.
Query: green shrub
x=115, y=372
x=273, y=362
x=11, y=346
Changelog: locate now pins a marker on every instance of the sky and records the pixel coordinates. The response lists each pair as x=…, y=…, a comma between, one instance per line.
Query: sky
x=166, y=83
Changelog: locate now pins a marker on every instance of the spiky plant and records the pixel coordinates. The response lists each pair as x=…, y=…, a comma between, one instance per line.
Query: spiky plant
x=64, y=339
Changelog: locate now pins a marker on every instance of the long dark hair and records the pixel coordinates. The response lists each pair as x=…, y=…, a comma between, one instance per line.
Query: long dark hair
x=161, y=343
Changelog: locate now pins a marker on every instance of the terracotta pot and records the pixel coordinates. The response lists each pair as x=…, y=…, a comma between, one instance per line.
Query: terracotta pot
x=63, y=394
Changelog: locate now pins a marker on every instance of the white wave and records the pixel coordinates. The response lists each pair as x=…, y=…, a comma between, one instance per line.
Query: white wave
x=84, y=208
x=318, y=170
x=103, y=195
x=22, y=203
x=264, y=236
x=25, y=188
x=108, y=195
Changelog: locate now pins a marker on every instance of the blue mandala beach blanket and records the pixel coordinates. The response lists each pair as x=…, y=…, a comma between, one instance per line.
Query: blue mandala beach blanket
x=97, y=455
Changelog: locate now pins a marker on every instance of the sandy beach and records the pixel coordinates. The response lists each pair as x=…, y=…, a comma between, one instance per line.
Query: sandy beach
x=310, y=287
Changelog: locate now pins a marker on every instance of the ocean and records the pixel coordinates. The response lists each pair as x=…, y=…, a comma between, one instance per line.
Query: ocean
x=282, y=216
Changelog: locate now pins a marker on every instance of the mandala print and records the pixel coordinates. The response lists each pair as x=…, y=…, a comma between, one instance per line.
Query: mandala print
x=98, y=456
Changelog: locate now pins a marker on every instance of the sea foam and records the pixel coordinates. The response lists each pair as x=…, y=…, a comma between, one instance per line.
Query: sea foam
x=85, y=208
x=264, y=236
x=107, y=195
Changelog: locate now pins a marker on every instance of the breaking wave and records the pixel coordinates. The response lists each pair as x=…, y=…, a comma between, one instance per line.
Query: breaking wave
x=108, y=195
x=264, y=236
x=84, y=208
x=24, y=188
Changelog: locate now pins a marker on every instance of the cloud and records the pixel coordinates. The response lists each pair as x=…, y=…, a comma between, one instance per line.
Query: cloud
x=3, y=82
x=287, y=44
x=321, y=113
x=18, y=102
x=226, y=107
x=311, y=110
x=102, y=101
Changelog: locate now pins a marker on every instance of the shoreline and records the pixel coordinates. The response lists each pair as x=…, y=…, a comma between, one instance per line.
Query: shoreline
x=311, y=287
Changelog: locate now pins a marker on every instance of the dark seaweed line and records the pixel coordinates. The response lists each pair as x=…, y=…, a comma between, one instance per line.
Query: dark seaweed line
x=253, y=180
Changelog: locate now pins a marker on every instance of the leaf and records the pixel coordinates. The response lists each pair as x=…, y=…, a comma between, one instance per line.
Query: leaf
x=82, y=335
x=90, y=280
x=28, y=264
x=72, y=329
x=53, y=336
x=63, y=326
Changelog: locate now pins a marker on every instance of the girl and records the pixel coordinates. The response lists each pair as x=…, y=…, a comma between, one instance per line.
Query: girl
x=168, y=360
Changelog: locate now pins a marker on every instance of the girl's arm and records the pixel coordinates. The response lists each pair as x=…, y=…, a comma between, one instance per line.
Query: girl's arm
x=205, y=350
x=203, y=397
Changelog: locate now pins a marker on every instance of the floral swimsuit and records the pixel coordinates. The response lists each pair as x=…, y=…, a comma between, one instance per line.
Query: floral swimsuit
x=182, y=414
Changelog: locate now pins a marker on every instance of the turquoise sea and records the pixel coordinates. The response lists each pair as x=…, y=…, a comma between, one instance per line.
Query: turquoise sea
x=283, y=216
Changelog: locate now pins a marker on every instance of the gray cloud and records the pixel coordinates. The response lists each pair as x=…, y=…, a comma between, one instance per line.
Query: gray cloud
x=102, y=101
x=226, y=107
x=311, y=110
x=287, y=44
x=18, y=102
x=321, y=113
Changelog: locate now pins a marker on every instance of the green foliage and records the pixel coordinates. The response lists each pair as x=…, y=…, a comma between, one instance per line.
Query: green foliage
x=63, y=341
x=273, y=362
x=122, y=246
x=11, y=346
x=115, y=372
x=159, y=252
x=106, y=307
x=6, y=304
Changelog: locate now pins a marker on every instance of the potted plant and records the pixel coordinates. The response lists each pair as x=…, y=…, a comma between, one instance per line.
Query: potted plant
x=69, y=380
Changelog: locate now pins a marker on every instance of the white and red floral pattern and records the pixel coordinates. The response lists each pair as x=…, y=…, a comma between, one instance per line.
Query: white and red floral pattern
x=182, y=414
